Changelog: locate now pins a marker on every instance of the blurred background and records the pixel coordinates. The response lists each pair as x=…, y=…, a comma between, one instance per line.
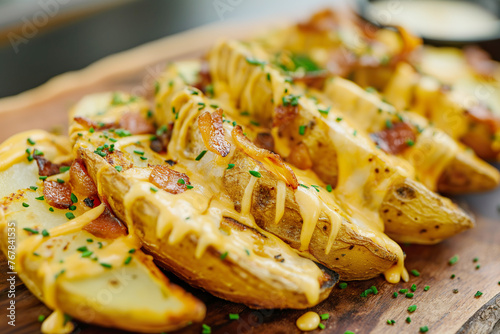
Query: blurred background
x=42, y=38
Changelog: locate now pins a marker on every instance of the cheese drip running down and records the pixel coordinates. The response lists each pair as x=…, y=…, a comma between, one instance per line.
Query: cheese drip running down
x=354, y=153
x=199, y=211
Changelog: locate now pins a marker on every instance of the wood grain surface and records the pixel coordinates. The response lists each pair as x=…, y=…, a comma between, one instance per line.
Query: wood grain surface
x=439, y=308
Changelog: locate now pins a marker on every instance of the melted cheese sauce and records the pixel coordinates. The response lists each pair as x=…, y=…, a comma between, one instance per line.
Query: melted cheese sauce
x=354, y=153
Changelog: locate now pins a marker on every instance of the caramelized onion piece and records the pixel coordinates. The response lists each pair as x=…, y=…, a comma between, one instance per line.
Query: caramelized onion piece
x=47, y=168
x=136, y=124
x=284, y=114
x=57, y=194
x=299, y=156
x=396, y=139
x=106, y=226
x=80, y=180
x=271, y=161
x=212, y=132
x=169, y=179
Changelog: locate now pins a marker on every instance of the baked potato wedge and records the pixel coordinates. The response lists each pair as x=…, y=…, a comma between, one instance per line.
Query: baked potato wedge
x=440, y=163
x=79, y=260
x=308, y=218
x=190, y=226
x=342, y=156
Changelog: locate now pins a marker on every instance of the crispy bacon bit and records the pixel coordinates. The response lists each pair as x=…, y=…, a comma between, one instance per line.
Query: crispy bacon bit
x=80, y=180
x=299, y=156
x=47, y=168
x=136, y=123
x=271, y=161
x=204, y=78
x=396, y=139
x=106, y=226
x=314, y=79
x=212, y=132
x=480, y=61
x=168, y=179
x=323, y=21
x=88, y=123
x=116, y=158
x=265, y=140
x=341, y=62
x=284, y=115
x=482, y=114
x=57, y=194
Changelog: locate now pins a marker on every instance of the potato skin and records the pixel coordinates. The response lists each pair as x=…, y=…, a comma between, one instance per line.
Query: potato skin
x=409, y=211
x=226, y=279
x=353, y=256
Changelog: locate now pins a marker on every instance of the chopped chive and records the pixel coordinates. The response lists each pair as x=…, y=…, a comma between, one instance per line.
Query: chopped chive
x=410, y=142
x=370, y=90
x=391, y=322
x=321, y=326
x=31, y=141
x=206, y=329
x=51, y=209
x=214, y=106
x=324, y=316
x=254, y=173
x=41, y=318
x=324, y=111
x=60, y=181
x=388, y=124
x=33, y=188
x=415, y=273
x=87, y=253
x=426, y=288
x=478, y=294
x=74, y=199
x=395, y=294
x=181, y=181
x=355, y=133
x=329, y=188
x=201, y=155
x=268, y=76
x=455, y=290
x=453, y=260
x=234, y=316
x=139, y=152
x=143, y=158
x=475, y=259
x=100, y=244
x=290, y=100
x=412, y=308
x=223, y=255
x=105, y=265
x=343, y=285
x=63, y=169
x=409, y=295
x=90, y=240
x=374, y=289
x=403, y=291
x=302, y=130
x=248, y=253
x=408, y=319
x=478, y=266
x=119, y=168
x=70, y=215
x=315, y=187
x=91, y=130
x=26, y=205
x=40, y=198
x=82, y=249
x=153, y=189
x=30, y=230
x=252, y=61
x=230, y=166
x=42, y=177
x=131, y=251
x=244, y=113
x=254, y=123
x=413, y=287
x=45, y=233
x=37, y=152
x=424, y=329
x=452, y=276
x=127, y=260
x=59, y=273
x=303, y=186
x=339, y=119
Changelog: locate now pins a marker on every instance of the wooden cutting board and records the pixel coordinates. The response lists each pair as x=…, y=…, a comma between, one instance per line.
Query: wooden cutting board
x=440, y=308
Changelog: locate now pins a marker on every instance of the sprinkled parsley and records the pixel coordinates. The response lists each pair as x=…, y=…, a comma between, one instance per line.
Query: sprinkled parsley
x=234, y=316
x=453, y=260
x=324, y=316
x=412, y=308
x=478, y=294
x=302, y=130
x=329, y=188
x=413, y=287
x=63, y=169
x=26, y=205
x=424, y=329
x=415, y=273
x=426, y=288
x=119, y=168
x=45, y=233
x=70, y=215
